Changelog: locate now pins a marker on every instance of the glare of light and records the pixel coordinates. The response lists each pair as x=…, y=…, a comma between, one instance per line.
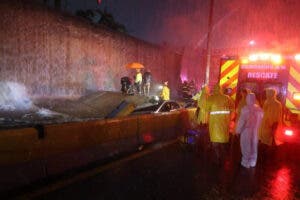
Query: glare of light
x=297, y=57
x=148, y=138
x=183, y=77
x=280, y=186
x=252, y=42
x=253, y=57
x=276, y=58
x=244, y=61
x=264, y=56
x=160, y=87
x=156, y=98
x=296, y=96
x=288, y=132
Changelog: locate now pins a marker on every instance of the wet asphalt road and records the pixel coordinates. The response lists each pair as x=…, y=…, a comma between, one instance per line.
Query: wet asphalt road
x=178, y=172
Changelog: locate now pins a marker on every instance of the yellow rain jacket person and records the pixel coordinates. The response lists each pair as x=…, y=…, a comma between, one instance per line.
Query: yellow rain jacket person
x=272, y=117
x=138, y=81
x=201, y=97
x=219, y=108
x=165, y=93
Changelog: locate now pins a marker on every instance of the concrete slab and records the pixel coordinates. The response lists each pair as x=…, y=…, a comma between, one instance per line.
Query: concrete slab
x=96, y=105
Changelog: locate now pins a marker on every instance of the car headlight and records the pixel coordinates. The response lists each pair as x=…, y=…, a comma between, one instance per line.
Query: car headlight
x=160, y=87
x=156, y=98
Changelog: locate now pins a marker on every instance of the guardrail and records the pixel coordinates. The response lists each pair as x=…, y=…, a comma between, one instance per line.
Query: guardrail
x=31, y=154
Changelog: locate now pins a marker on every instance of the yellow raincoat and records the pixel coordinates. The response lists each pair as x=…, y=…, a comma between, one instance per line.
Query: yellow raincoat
x=138, y=78
x=220, y=108
x=272, y=114
x=165, y=93
x=202, y=96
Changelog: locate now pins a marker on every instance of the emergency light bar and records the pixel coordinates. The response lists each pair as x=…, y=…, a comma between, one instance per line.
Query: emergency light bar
x=274, y=58
x=244, y=60
x=297, y=57
x=288, y=132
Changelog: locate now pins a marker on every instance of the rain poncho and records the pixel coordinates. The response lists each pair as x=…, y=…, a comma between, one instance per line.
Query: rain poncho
x=138, y=78
x=165, y=93
x=248, y=126
x=272, y=117
x=242, y=102
x=201, y=97
x=219, y=108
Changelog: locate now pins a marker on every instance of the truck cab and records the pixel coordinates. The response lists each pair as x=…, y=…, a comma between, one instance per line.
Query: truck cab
x=259, y=72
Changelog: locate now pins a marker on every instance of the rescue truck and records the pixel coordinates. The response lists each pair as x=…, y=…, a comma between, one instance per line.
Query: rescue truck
x=258, y=72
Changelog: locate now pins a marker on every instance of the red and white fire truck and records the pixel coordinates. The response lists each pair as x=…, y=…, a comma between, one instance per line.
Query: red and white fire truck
x=267, y=70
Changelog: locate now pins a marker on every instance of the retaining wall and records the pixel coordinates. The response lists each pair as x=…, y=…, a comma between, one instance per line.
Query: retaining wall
x=54, y=54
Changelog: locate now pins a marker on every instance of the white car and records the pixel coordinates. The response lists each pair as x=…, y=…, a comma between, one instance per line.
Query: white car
x=160, y=107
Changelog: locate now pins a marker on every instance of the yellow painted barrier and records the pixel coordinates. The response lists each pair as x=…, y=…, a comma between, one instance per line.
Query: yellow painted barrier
x=128, y=127
x=19, y=145
x=70, y=145
x=158, y=126
x=71, y=136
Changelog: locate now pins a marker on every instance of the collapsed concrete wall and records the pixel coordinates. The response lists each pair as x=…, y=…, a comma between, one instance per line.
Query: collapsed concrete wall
x=59, y=55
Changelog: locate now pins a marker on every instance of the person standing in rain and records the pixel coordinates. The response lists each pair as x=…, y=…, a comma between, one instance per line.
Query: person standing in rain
x=147, y=78
x=247, y=127
x=242, y=102
x=165, y=92
x=272, y=118
x=219, y=107
x=201, y=113
x=138, y=81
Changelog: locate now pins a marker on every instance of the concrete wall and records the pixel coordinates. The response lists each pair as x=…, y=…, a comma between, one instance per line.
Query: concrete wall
x=26, y=158
x=58, y=55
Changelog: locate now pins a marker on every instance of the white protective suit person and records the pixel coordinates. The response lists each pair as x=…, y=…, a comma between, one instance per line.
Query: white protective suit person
x=248, y=126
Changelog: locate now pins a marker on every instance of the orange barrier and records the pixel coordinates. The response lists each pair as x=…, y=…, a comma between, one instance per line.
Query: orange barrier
x=71, y=136
x=19, y=145
x=76, y=144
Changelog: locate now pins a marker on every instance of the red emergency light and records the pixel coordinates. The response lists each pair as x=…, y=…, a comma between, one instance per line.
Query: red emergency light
x=296, y=96
x=297, y=57
x=274, y=58
x=288, y=132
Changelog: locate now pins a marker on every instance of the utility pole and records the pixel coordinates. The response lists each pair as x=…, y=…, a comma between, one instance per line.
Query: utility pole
x=208, y=46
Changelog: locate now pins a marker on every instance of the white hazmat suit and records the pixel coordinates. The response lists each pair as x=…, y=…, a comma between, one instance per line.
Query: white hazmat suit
x=248, y=126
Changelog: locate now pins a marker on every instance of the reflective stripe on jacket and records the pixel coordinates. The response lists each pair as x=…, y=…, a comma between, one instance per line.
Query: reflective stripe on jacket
x=219, y=107
x=221, y=112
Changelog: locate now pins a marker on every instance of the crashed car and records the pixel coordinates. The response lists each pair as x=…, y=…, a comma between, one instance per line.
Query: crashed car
x=160, y=107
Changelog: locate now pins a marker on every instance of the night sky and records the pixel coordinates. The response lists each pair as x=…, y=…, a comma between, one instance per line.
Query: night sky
x=273, y=24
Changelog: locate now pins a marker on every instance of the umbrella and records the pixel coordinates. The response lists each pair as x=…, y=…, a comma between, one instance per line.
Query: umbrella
x=135, y=65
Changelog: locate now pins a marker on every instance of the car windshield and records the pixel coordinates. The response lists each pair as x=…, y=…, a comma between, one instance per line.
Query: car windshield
x=160, y=107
